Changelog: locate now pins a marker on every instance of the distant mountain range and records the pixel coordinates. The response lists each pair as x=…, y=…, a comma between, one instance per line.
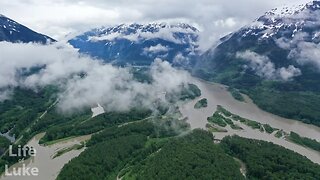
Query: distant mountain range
x=12, y=31
x=140, y=44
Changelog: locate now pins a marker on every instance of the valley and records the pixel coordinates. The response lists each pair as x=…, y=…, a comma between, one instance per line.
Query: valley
x=162, y=130
x=188, y=90
x=218, y=94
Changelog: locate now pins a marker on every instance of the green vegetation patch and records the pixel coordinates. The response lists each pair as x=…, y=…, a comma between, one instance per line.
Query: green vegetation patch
x=4, y=144
x=279, y=134
x=269, y=129
x=186, y=92
x=224, y=111
x=302, y=106
x=68, y=149
x=212, y=128
x=193, y=156
x=203, y=103
x=84, y=126
x=265, y=160
x=248, y=122
x=117, y=148
x=310, y=143
x=218, y=119
x=236, y=127
x=236, y=94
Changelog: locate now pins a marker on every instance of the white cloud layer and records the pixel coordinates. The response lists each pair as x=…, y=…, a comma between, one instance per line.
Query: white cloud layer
x=307, y=53
x=155, y=49
x=264, y=68
x=163, y=33
x=215, y=18
x=302, y=51
x=113, y=87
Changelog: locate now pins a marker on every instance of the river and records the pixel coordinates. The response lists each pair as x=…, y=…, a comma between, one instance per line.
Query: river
x=49, y=168
x=217, y=94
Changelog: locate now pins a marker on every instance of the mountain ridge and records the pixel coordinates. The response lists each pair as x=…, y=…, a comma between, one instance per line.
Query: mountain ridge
x=140, y=44
x=273, y=60
x=12, y=31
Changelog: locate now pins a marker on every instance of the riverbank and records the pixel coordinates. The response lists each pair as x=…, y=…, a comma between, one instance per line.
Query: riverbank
x=218, y=94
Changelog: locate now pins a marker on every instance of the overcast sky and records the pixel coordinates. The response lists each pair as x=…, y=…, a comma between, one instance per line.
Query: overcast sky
x=59, y=18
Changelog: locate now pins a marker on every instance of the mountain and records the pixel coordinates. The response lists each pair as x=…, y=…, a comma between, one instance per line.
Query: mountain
x=140, y=44
x=12, y=31
x=275, y=60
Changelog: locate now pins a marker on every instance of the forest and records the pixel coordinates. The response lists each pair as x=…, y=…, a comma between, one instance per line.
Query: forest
x=193, y=156
x=151, y=149
x=139, y=151
x=202, y=103
x=87, y=125
x=236, y=94
x=265, y=160
x=27, y=113
x=302, y=106
x=131, y=144
x=115, y=148
x=311, y=143
x=186, y=92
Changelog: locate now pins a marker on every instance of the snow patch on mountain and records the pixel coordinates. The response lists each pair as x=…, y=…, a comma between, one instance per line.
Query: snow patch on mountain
x=139, y=32
x=141, y=44
x=12, y=31
x=286, y=21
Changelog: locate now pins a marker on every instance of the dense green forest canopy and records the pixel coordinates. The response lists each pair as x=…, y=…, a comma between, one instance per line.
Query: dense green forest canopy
x=202, y=103
x=265, y=160
x=115, y=148
x=193, y=156
x=145, y=150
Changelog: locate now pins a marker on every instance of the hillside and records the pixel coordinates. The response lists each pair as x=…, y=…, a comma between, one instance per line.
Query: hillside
x=274, y=60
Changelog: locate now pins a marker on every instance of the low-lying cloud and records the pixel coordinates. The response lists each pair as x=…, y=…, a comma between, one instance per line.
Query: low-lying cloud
x=303, y=48
x=167, y=33
x=156, y=49
x=215, y=18
x=265, y=68
x=306, y=53
x=83, y=82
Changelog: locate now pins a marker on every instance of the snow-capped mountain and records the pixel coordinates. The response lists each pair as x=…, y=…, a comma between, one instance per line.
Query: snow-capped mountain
x=140, y=44
x=287, y=22
x=277, y=39
x=12, y=31
x=275, y=60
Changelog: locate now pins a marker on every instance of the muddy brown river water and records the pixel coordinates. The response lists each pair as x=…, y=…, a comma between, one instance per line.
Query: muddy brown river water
x=48, y=167
x=217, y=94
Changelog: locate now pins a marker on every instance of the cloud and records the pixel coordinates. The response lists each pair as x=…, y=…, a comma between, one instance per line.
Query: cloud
x=288, y=73
x=116, y=89
x=260, y=64
x=215, y=18
x=167, y=33
x=306, y=53
x=156, y=49
x=179, y=59
x=265, y=68
x=5, y=94
x=303, y=48
x=113, y=87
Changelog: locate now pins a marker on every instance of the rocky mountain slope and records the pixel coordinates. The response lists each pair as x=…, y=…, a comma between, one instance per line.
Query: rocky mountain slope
x=12, y=31
x=275, y=60
x=140, y=44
